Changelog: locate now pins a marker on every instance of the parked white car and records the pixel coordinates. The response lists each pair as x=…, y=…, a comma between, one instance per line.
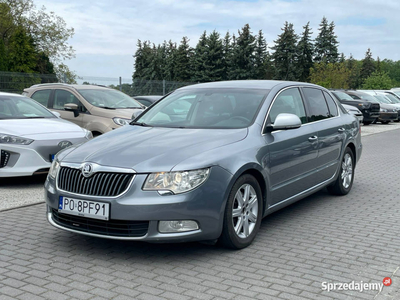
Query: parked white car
x=31, y=135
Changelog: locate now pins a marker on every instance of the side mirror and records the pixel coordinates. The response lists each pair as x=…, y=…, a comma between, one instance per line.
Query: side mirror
x=72, y=107
x=136, y=113
x=284, y=122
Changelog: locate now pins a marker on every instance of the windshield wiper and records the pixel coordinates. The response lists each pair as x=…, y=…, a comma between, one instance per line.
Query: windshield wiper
x=140, y=124
x=34, y=118
x=129, y=107
x=106, y=107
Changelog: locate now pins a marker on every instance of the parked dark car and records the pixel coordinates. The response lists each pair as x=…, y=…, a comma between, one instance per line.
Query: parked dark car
x=147, y=100
x=387, y=112
x=369, y=109
x=207, y=162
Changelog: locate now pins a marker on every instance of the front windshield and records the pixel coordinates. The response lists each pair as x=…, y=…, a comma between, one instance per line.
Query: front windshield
x=367, y=97
x=105, y=98
x=392, y=98
x=17, y=107
x=206, y=108
x=342, y=96
x=381, y=99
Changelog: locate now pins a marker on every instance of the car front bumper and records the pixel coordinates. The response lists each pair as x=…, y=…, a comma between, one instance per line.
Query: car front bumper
x=388, y=116
x=205, y=205
x=31, y=159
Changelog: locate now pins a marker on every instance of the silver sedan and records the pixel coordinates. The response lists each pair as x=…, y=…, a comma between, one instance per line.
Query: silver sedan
x=31, y=135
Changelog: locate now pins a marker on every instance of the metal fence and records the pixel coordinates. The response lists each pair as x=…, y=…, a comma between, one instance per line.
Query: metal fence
x=17, y=82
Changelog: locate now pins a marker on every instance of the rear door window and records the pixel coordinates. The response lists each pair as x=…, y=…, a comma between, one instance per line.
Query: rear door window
x=317, y=107
x=333, y=111
x=42, y=97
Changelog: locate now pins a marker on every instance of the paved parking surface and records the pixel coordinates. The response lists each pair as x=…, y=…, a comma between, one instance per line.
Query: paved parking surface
x=319, y=239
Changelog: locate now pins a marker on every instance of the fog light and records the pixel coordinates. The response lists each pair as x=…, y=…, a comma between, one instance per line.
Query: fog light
x=177, y=226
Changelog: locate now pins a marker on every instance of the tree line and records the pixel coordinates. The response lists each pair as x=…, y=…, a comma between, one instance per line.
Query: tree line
x=246, y=56
x=33, y=41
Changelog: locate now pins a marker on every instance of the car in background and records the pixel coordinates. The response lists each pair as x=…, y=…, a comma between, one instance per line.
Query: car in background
x=147, y=100
x=96, y=108
x=387, y=112
x=396, y=91
x=206, y=162
x=354, y=111
x=369, y=109
x=31, y=135
x=391, y=111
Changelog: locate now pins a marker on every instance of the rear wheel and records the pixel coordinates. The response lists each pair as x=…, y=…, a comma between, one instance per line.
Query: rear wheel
x=344, y=182
x=243, y=213
x=367, y=123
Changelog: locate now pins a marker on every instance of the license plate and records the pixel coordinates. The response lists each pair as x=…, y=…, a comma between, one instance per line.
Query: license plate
x=52, y=157
x=84, y=208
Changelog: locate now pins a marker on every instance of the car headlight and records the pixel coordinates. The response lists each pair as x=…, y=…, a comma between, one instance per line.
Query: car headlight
x=54, y=168
x=176, y=182
x=383, y=110
x=88, y=134
x=121, y=121
x=11, y=139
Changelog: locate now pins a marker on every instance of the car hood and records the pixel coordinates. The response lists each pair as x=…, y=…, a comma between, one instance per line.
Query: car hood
x=40, y=128
x=152, y=149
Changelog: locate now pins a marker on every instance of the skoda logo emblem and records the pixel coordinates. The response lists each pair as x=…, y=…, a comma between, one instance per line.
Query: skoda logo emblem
x=64, y=144
x=87, y=170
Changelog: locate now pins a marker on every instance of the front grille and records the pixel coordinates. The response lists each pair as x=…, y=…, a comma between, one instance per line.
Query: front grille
x=116, y=228
x=104, y=184
x=5, y=156
x=375, y=107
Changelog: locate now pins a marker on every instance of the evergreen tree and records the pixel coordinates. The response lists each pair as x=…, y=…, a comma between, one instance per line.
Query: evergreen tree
x=171, y=53
x=227, y=55
x=326, y=44
x=199, y=59
x=261, y=57
x=214, y=67
x=285, y=55
x=354, y=72
x=182, y=61
x=305, y=52
x=368, y=65
x=244, y=45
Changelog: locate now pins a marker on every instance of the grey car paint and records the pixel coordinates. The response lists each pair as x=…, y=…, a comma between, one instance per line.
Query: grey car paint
x=289, y=164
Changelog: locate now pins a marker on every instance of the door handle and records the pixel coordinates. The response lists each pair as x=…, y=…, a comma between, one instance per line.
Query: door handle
x=313, y=138
x=341, y=129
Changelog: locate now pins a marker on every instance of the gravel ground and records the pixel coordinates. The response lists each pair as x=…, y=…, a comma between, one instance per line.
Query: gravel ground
x=22, y=191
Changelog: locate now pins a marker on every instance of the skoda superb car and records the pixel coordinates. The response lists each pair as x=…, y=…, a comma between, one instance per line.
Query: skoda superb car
x=31, y=135
x=207, y=162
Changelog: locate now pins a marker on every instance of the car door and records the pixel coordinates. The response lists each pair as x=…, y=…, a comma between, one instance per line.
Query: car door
x=292, y=153
x=323, y=113
x=62, y=97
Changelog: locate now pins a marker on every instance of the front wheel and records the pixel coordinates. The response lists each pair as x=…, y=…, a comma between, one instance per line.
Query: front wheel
x=243, y=213
x=344, y=182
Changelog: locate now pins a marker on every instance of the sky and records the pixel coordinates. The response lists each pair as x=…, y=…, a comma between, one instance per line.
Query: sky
x=106, y=32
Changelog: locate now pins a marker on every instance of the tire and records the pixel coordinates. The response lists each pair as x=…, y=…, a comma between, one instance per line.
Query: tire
x=385, y=122
x=366, y=123
x=344, y=182
x=242, y=217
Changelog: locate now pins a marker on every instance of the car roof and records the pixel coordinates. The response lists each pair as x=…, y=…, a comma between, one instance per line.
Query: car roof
x=246, y=84
x=10, y=94
x=74, y=86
